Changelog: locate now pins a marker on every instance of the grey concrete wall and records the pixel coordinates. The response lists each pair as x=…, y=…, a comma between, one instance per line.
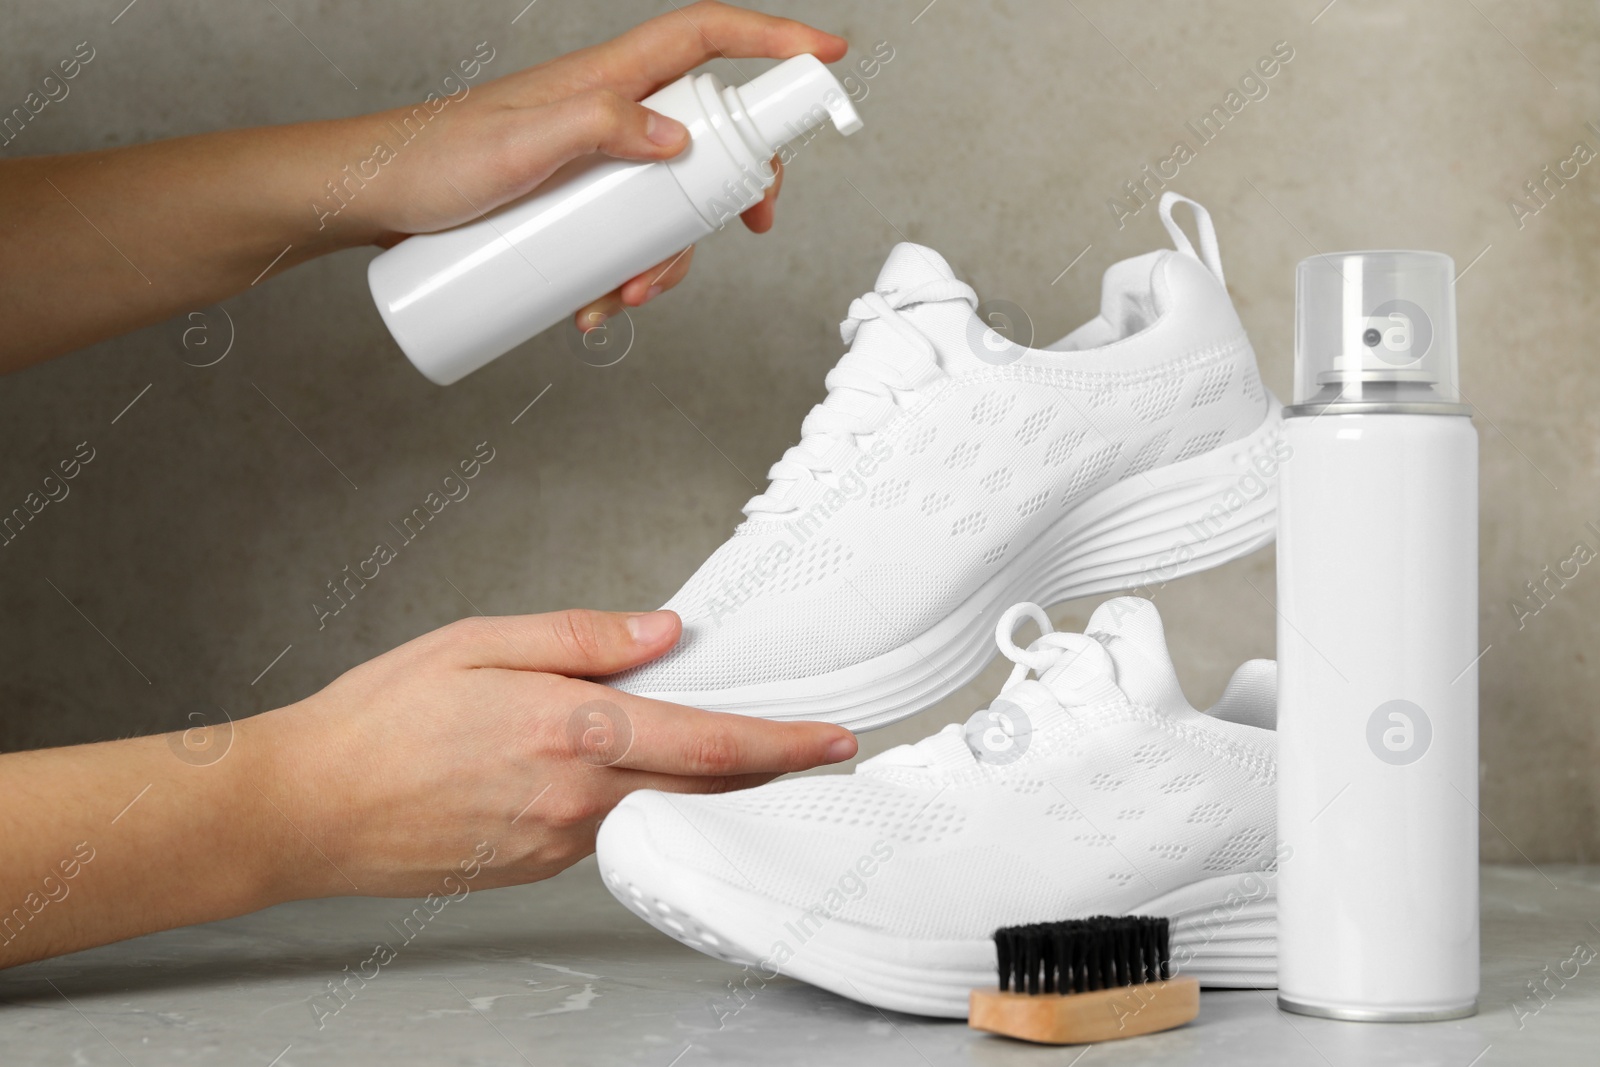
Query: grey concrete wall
x=189, y=552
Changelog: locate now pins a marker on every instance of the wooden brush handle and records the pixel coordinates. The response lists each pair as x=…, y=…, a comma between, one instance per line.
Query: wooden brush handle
x=1081, y=1018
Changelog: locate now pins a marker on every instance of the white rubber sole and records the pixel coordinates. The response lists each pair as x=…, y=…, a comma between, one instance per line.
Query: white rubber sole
x=1224, y=932
x=1138, y=534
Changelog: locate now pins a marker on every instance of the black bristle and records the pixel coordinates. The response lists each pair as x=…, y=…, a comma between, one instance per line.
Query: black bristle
x=1108, y=954
x=1024, y=958
x=1096, y=945
x=1091, y=956
x=1002, y=949
x=1120, y=974
x=1080, y=965
x=1047, y=952
x=1033, y=963
x=1080, y=955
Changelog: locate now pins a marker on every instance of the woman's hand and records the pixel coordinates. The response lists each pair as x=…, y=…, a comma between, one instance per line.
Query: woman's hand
x=476, y=734
x=185, y=223
x=505, y=137
x=467, y=755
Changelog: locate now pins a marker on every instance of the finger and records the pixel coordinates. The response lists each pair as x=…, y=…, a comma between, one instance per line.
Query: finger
x=620, y=781
x=657, y=280
x=759, y=218
x=668, y=46
x=598, y=120
x=636, y=291
x=672, y=739
x=692, y=784
x=597, y=312
x=577, y=642
x=586, y=794
x=533, y=142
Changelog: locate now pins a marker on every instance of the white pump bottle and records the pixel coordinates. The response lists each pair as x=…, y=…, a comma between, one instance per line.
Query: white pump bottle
x=457, y=299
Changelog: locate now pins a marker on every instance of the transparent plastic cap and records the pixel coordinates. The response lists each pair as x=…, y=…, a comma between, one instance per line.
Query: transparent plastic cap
x=1376, y=329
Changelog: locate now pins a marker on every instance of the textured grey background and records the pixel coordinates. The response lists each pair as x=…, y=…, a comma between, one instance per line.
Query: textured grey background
x=189, y=552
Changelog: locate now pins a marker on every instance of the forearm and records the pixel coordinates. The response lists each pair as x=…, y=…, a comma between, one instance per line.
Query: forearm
x=99, y=243
x=106, y=841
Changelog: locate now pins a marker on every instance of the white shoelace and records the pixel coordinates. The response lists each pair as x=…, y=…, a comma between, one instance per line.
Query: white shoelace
x=1083, y=681
x=865, y=388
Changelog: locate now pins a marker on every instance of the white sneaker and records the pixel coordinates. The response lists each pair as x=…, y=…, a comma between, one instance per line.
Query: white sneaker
x=1092, y=789
x=951, y=473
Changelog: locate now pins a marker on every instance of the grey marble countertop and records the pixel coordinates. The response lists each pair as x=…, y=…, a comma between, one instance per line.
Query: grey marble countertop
x=559, y=973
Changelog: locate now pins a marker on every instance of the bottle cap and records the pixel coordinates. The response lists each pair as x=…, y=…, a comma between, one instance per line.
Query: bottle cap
x=794, y=97
x=1376, y=330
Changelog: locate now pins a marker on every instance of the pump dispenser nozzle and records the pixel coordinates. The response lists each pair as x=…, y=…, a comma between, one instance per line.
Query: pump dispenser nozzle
x=795, y=97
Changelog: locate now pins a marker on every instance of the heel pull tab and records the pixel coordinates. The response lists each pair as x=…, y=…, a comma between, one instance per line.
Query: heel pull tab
x=1208, y=254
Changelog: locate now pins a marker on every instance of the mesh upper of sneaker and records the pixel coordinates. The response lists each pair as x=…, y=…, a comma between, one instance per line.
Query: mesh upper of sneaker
x=953, y=478
x=1115, y=800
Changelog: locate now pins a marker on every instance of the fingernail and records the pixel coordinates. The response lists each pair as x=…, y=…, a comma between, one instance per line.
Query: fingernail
x=841, y=748
x=590, y=320
x=650, y=627
x=662, y=130
x=652, y=292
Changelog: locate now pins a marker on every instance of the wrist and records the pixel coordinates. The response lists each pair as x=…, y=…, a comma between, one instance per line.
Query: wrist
x=272, y=804
x=303, y=187
x=345, y=204
x=351, y=187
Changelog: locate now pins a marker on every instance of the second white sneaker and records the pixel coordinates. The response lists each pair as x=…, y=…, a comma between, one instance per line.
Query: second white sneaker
x=951, y=473
x=1093, y=789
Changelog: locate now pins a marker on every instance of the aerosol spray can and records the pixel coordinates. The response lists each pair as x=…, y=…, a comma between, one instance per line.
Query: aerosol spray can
x=1378, y=649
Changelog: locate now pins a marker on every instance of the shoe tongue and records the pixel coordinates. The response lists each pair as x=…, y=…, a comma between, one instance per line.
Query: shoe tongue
x=908, y=266
x=1130, y=629
x=949, y=324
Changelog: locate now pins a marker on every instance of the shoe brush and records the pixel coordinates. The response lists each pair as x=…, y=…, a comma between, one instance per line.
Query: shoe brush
x=1084, y=980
